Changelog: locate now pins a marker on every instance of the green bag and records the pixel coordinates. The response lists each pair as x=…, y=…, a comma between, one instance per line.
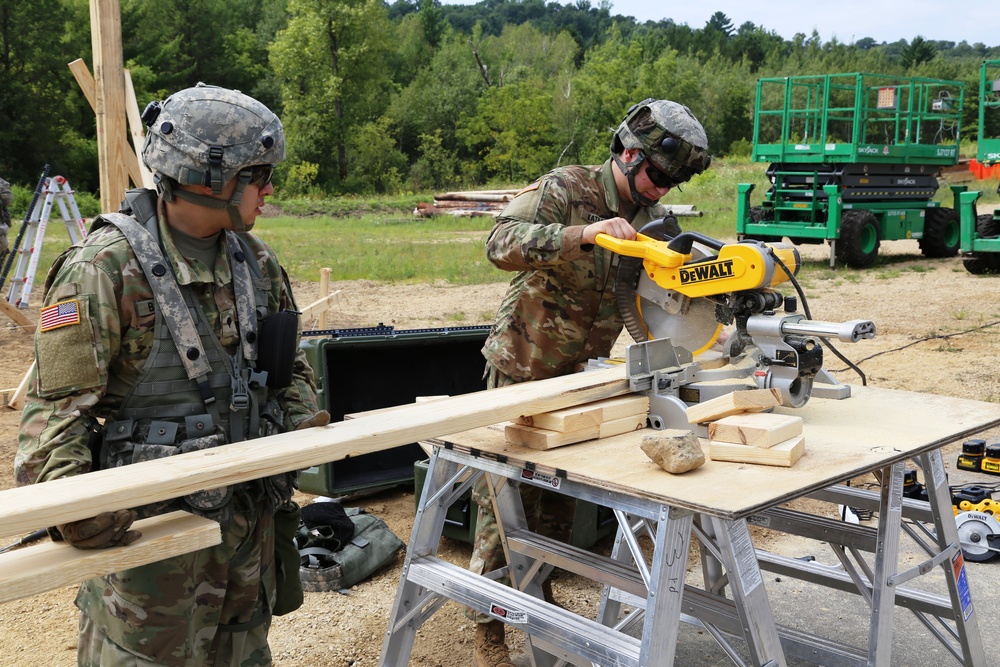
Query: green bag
x=288, y=596
x=329, y=565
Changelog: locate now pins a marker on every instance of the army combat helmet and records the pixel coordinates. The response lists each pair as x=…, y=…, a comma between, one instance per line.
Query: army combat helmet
x=206, y=135
x=669, y=135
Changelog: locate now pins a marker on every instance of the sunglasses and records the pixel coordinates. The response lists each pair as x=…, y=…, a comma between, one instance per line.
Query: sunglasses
x=659, y=178
x=261, y=174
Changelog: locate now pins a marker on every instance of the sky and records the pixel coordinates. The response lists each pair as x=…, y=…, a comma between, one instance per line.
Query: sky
x=848, y=20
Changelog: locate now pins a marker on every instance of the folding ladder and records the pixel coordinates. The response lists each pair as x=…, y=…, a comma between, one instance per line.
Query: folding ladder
x=56, y=191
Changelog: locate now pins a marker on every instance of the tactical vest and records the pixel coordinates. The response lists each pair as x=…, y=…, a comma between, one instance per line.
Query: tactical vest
x=192, y=394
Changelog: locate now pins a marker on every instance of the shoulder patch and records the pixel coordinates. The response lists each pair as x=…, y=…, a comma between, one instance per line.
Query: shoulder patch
x=62, y=314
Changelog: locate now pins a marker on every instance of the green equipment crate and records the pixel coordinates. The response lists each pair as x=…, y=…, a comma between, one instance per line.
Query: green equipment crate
x=591, y=523
x=378, y=367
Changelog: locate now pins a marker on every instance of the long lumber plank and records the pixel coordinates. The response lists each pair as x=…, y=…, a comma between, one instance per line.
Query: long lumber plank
x=28, y=508
x=40, y=568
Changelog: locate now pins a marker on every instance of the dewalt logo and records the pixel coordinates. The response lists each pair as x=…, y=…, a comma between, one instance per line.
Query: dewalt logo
x=706, y=272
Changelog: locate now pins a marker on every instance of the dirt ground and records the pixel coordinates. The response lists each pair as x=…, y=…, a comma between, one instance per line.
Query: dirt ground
x=938, y=332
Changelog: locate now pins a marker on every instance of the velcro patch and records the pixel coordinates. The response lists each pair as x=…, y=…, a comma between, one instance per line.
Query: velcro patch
x=62, y=314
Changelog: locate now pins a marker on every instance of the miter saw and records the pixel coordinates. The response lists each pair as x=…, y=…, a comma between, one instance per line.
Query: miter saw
x=707, y=322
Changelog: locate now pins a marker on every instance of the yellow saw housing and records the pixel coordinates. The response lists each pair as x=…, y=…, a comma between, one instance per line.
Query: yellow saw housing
x=737, y=267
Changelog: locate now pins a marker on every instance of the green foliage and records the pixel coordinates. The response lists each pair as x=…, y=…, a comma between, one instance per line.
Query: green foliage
x=415, y=94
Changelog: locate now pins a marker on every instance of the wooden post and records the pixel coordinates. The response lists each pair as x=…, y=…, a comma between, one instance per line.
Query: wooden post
x=136, y=170
x=324, y=290
x=106, y=43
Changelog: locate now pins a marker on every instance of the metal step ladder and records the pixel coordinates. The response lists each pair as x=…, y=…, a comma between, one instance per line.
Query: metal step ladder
x=57, y=191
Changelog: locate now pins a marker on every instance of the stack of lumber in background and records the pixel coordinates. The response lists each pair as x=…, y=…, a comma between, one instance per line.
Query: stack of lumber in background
x=600, y=419
x=491, y=202
x=466, y=204
x=739, y=430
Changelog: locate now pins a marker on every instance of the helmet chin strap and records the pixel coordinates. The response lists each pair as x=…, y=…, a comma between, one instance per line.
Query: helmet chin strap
x=629, y=170
x=231, y=206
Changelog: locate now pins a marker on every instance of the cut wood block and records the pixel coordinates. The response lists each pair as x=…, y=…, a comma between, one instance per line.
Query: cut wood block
x=541, y=438
x=782, y=454
x=744, y=400
x=586, y=416
x=757, y=429
x=43, y=567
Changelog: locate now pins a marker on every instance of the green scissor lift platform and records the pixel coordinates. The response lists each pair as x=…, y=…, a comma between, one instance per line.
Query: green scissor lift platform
x=854, y=160
x=981, y=233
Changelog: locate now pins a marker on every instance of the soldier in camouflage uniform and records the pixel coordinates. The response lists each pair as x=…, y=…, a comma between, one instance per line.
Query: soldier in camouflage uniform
x=560, y=310
x=148, y=340
x=6, y=197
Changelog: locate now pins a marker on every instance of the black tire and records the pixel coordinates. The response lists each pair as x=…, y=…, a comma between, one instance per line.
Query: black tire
x=984, y=263
x=759, y=214
x=859, y=239
x=942, y=233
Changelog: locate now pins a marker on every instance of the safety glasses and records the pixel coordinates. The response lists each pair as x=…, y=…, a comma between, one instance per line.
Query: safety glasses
x=261, y=174
x=659, y=178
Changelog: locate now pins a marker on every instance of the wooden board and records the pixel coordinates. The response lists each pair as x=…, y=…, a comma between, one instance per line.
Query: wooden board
x=873, y=428
x=782, y=454
x=15, y=314
x=23, y=509
x=540, y=438
x=42, y=567
x=757, y=429
x=744, y=400
x=588, y=416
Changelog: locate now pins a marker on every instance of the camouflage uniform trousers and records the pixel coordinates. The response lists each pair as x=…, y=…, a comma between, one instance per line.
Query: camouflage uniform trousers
x=202, y=608
x=548, y=513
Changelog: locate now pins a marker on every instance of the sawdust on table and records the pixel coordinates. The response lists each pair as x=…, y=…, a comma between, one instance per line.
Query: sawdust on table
x=913, y=302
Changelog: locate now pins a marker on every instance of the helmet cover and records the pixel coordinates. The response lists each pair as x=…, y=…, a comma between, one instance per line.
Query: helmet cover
x=668, y=135
x=205, y=135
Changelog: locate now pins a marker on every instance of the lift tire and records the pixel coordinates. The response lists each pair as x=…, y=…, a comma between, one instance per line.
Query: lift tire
x=942, y=233
x=984, y=263
x=759, y=214
x=859, y=239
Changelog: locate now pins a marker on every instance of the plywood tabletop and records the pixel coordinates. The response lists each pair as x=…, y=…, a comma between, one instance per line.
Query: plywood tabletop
x=844, y=438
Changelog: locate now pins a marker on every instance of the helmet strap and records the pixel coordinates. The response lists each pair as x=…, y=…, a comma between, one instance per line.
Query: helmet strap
x=629, y=169
x=231, y=206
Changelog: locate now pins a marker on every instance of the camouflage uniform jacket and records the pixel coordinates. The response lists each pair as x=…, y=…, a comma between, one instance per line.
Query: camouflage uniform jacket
x=113, y=339
x=560, y=309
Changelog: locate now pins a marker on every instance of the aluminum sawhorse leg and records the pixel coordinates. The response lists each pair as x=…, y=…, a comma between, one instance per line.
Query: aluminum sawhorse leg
x=729, y=543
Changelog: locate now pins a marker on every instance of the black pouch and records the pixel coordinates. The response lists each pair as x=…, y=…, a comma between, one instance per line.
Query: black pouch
x=276, y=347
x=288, y=586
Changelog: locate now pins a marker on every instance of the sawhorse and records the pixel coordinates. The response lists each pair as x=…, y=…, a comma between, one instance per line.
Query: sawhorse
x=557, y=636
x=718, y=505
x=57, y=191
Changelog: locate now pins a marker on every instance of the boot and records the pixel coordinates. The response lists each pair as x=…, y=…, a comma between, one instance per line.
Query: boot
x=490, y=649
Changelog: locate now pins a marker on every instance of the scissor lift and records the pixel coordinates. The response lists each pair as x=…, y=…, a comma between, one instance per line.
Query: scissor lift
x=854, y=160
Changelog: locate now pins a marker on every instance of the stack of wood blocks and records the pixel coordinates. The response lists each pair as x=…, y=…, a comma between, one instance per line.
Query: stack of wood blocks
x=601, y=419
x=739, y=430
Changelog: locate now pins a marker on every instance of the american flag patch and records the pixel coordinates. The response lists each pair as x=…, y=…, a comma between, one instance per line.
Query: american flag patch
x=59, y=315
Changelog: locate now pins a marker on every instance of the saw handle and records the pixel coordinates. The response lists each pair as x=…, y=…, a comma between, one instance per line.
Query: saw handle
x=683, y=242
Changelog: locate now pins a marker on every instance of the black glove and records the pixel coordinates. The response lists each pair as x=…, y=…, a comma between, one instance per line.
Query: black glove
x=107, y=529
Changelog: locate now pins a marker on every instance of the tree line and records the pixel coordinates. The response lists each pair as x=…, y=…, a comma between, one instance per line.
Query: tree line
x=413, y=95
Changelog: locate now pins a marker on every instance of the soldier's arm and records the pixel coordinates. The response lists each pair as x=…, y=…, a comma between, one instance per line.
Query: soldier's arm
x=534, y=231
x=70, y=376
x=299, y=399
